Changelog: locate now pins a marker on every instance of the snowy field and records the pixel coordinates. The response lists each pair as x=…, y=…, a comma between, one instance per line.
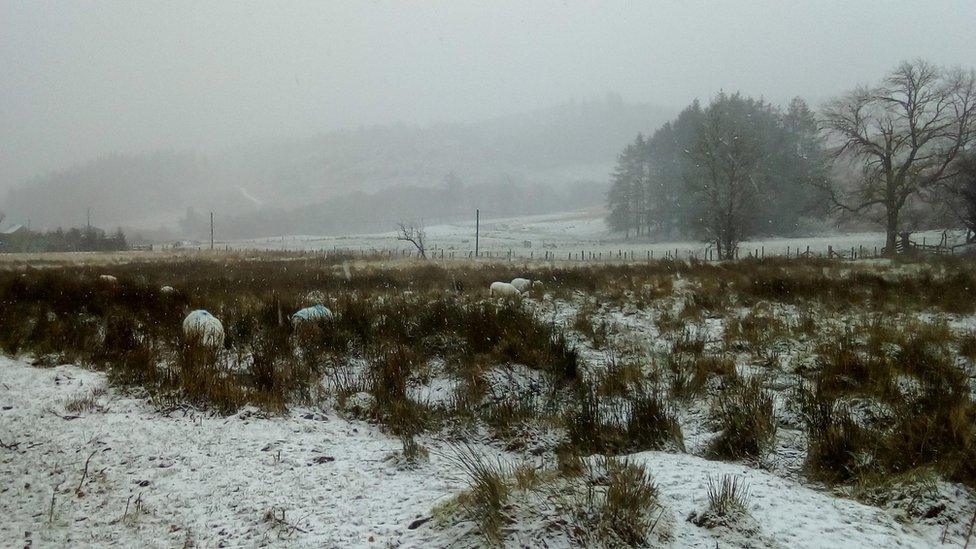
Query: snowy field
x=89, y=457
x=567, y=235
x=310, y=479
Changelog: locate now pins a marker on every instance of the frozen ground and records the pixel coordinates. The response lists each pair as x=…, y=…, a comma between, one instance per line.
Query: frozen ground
x=562, y=234
x=309, y=479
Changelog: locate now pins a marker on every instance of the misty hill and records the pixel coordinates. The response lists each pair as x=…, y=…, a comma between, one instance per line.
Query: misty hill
x=540, y=153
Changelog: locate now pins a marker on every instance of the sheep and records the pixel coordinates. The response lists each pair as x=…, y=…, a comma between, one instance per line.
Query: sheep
x=109, y=279
x=503, y=289
x=314, y=313
x=166, y=290
x=203, y=326
x=521, y=284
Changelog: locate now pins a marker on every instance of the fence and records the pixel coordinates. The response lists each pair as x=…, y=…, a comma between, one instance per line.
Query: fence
x=596, y=256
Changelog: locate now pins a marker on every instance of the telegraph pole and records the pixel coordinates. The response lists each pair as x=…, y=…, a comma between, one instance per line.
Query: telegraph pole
x=211, y=231
x=477, y=230
x=88, y=222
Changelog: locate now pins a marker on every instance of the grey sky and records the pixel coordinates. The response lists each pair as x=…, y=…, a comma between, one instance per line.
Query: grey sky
x=82, y=79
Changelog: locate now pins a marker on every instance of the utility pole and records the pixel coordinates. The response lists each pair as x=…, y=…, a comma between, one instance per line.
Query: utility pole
x=88, y=221
x=211, y=231
x=477, y=230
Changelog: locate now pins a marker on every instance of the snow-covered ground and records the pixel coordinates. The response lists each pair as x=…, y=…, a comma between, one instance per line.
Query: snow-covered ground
x=308, y=479
x=567, y=235
x=165, y=478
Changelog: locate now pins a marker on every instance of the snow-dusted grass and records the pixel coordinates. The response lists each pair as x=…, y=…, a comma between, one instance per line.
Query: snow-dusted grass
x=349, y=432
x=311, y=478
x=163, y=478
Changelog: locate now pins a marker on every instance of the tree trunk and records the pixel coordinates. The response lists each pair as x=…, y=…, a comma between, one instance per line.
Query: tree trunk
x=891, y=232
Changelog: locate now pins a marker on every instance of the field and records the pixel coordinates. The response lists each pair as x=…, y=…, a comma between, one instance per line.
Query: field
x=763, y=402
x=566, y=237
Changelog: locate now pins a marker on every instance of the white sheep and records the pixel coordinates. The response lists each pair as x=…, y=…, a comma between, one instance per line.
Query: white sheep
x=521, y=284
x=313, y=314
x=205, y=327
x=109, y=279
x=503, y=289
x=167, y=290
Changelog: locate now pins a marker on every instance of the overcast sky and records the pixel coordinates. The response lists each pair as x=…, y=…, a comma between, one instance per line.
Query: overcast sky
x=83, y=79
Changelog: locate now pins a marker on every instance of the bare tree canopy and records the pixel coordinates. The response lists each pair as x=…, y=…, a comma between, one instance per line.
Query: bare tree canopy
x=905, y=134
x=414, y=234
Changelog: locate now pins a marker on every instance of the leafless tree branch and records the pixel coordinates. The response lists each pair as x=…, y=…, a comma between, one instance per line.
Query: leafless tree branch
x=414, y=234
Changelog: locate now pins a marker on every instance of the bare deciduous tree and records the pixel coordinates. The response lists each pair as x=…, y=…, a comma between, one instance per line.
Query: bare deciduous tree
x=414, y=234
x=905, y=134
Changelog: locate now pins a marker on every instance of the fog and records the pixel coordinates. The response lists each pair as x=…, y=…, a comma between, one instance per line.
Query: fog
x=86, y=79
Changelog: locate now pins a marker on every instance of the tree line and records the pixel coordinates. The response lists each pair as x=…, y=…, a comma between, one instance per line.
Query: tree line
x=741, y=167
x=89, y=239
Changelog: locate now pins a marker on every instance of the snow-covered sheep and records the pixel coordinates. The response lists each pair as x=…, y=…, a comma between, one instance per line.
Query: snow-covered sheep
x=503, y=289
x=108, y=279
x=311, y=314
x=167, y=290
x=521, y=284
x=205, y=327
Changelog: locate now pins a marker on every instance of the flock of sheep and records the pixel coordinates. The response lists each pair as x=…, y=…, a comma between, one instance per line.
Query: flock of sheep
x=203, y=327
x=514, y=288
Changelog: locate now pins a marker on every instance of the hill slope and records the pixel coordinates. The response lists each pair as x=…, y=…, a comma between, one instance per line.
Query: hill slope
x=552, y=147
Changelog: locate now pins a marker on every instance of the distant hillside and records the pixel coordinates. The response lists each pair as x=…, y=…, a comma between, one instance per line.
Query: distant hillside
x=123, y=190
x=552, y=147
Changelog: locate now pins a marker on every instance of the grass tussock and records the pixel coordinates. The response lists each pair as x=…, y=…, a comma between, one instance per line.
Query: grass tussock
x=727, y=503
x=623, y=512
x=487, y=492
x=643, y=421
x=745, y=416
x=689, y=376
x=926, y=413
x=727, y=496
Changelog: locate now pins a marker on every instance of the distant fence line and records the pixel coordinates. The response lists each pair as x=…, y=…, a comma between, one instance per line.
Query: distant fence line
x=589, y=256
